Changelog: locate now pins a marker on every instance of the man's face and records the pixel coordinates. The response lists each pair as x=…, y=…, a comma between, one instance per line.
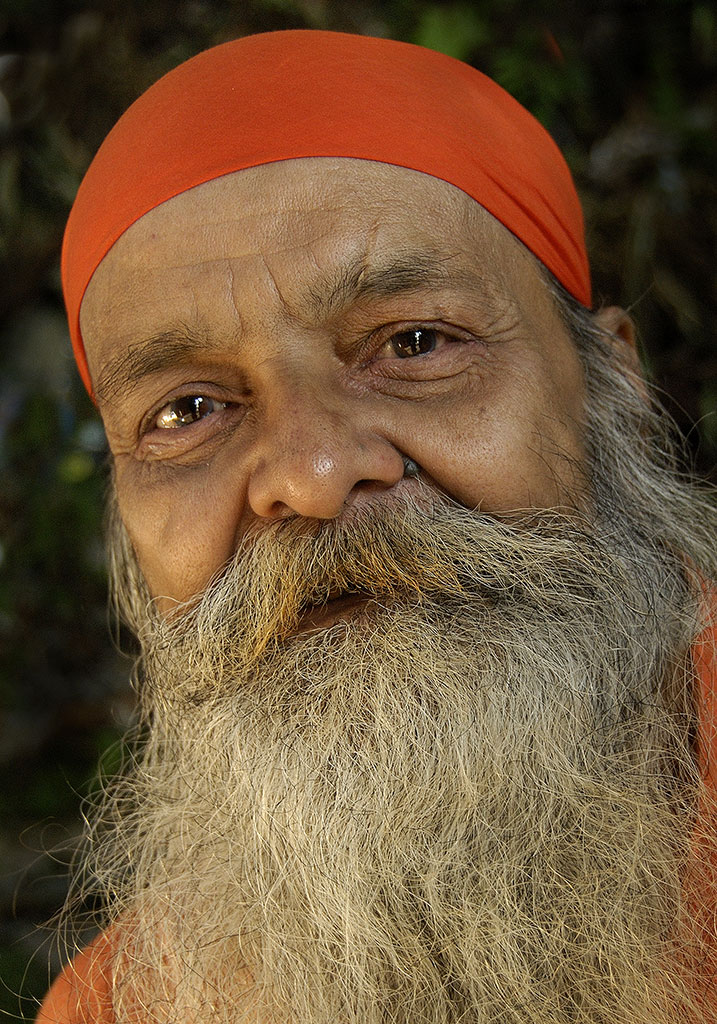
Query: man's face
x=272, y=343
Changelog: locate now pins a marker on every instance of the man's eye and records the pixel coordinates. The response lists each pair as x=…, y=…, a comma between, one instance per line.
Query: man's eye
x=184, y=411
x=416, y=342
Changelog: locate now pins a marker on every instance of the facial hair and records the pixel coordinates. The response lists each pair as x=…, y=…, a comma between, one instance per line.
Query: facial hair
x=474, y=800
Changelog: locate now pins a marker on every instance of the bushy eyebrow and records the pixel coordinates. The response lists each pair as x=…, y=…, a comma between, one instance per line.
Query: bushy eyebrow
x=151, y=355
x=405, y=271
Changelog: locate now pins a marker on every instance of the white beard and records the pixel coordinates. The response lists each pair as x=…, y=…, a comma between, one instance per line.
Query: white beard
x=472, y=802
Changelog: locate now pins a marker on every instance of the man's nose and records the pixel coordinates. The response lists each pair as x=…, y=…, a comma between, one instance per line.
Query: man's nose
x=318, y=452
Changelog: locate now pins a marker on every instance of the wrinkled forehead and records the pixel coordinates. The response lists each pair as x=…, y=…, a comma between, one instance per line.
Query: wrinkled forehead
x=316, y=228
x=329, y=203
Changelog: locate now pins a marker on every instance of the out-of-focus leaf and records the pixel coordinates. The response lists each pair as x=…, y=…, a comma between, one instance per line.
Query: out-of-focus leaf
x=455, y=29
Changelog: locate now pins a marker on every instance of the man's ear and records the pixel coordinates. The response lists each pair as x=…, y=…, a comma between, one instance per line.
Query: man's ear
x=620, y=326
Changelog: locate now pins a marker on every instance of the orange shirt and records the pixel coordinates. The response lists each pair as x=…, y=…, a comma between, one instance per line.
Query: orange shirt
x=82, y=992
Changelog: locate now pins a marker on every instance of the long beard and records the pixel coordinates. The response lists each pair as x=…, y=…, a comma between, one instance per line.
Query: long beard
x=475, y=800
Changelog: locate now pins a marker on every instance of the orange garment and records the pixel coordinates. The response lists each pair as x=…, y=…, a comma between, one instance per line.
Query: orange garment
x=283, y=95
x=81, y=994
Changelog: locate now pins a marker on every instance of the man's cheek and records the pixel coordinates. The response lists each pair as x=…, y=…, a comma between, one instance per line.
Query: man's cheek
x=181, y=533
x=484, y=450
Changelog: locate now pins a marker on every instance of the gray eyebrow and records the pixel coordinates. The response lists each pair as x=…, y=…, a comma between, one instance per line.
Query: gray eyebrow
x=163, y=350
x=405, y=271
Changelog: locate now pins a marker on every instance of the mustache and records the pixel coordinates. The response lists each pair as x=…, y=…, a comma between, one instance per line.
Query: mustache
x=418, y=549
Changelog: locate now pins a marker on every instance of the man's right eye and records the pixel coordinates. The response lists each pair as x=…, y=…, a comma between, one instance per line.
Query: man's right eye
x=187, y=410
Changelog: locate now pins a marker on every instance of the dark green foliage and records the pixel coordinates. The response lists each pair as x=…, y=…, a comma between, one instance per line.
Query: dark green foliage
x=628, y=90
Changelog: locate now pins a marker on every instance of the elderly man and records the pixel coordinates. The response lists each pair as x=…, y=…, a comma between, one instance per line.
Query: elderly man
x=423, y=600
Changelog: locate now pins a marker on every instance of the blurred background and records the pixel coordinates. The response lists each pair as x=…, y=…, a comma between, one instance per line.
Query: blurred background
x=628, y=90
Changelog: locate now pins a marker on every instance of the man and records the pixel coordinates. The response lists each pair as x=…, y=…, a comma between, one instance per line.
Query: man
x=423, y=599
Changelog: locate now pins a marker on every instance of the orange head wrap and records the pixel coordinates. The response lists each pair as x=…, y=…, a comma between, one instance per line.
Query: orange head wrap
x=290, y=94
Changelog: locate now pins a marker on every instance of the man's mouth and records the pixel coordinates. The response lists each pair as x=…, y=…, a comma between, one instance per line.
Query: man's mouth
x=336, y=609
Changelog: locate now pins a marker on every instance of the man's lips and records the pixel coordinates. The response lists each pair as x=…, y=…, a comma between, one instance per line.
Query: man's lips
x=341, y=607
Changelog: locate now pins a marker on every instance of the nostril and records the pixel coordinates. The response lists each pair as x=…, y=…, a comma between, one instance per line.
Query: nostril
x=410, y=468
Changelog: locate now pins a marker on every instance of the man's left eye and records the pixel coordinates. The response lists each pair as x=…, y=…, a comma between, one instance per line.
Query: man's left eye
x=417, y=341
x=184, y=411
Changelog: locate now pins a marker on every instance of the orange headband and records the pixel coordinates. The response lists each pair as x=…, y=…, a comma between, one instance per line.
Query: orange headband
x=282, y=95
